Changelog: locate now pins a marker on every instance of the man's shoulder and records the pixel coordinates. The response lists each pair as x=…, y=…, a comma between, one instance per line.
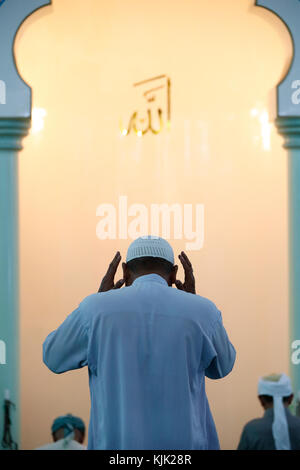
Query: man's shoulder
x=63, y=444
x=206, y=306
x=293, y=421
x=255, y=425
x=194, y=307
x=105, y=301
x=102, y=297
x=195, y=300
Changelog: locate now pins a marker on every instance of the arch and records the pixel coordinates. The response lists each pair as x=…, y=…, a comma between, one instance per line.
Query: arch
x=18, y=93
x=289, y=13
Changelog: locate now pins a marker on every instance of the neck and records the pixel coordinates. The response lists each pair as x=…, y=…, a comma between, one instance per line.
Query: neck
x=164, y=276
x=268, y=406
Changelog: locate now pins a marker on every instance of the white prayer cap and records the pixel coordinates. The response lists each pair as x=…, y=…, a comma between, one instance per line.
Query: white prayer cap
x=150, y=246
x=278, y=386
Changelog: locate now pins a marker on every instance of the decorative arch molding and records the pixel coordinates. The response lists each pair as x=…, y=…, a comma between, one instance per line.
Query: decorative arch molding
x=13, y=13
x=15, y=120
x=288, y=90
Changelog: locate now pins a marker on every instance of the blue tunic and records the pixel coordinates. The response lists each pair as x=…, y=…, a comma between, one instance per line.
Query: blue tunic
x=148, y=348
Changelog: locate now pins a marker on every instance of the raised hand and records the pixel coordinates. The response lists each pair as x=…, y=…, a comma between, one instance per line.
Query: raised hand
x=189, y=280
x=108, y=282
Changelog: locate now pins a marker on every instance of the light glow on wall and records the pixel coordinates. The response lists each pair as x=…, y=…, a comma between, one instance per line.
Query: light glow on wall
x=38, y=120
x=265, y=126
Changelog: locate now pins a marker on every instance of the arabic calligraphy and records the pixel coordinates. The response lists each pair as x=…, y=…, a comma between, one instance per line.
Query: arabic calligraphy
x=155, y=112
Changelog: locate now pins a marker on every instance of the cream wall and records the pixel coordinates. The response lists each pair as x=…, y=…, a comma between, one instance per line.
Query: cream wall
x=224, y=60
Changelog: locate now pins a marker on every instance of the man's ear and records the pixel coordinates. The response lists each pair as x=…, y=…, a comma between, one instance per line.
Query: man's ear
x=290, y=398
x=262, y=401
x=125, y=270
x=173, y=274
x=78, y=436
x=126, y=274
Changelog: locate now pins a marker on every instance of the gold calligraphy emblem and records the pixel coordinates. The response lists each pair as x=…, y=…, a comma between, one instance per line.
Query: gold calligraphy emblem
x=155, y=107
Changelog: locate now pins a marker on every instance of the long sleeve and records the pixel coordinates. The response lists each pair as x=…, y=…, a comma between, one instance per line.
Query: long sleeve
x=223, y=354
x=66, y=348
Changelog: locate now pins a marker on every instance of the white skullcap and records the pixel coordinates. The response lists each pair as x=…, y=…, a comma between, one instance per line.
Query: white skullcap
x=278, y=387
x=150, y=246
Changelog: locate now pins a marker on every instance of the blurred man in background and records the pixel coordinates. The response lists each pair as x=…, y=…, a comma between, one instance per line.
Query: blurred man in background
x=148, y=348
x=68, y=434
x=278, y=429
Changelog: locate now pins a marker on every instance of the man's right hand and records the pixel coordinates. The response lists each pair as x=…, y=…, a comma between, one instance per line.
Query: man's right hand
x=108, y=282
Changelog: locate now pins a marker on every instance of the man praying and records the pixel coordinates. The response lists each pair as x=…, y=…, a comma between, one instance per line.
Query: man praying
x=278, y=429
x=148, y=348
x=68, y=433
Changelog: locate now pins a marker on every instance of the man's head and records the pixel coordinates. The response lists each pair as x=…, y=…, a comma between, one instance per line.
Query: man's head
x=266, y=401
x=149, y=255
x=65, y=425
x=275, y=391
x=268, y=387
